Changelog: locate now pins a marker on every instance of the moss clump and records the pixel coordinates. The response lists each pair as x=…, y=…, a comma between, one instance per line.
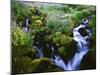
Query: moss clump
x=31, y=54
x=68, y=50
x=21, y=65
x=43, y=65
x=62, y=39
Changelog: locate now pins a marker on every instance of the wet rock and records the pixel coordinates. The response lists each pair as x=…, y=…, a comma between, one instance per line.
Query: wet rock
x=89, y=61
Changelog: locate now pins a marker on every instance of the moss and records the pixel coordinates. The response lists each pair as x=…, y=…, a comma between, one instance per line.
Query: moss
x=31, y=54
x=68, y=50
x=62, y=51
x=61, y=39
x=79, y=16
x=21, y=65
x=43, y=65
x=92, y=26
x=65, y=40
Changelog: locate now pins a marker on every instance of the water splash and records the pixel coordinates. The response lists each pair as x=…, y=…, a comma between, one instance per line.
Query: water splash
x=82, y=48
x=59, y=62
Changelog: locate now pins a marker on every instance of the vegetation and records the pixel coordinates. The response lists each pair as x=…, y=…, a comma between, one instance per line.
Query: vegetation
x=50, y=24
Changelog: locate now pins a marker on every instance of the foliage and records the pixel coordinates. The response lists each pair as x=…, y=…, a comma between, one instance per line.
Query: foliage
x=19, y=11
x=51, y=25
x=62, y=39
x=21, y=42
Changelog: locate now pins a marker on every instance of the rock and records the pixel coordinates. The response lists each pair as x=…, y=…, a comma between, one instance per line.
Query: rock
x=89, y=61
x=43, y=65
x=21, y=65
x=83, y=32
x=68, y=50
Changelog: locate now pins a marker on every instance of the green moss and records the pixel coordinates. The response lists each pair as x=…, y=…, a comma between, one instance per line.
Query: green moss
x=65, y=40
x=31, y=54
x=44, y=65
x=63, y=52
x=68, y=50
x=21, y=65
x=62, y=39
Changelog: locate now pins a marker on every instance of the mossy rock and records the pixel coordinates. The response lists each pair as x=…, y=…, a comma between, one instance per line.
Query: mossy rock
x=79, y=15
x=43, y=65
x=56, y=40
x=60, y=38
x=31, y=54
x=68, y=50
x=21, y=65
x=92, y=22
x=37, y=21
x=65, y=40
x=92, y=26
x=63, y=52
x=86, y=12
x=37, y=17
x=58, y=34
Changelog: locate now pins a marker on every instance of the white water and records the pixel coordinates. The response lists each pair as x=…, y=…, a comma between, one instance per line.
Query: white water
x=58, y=61
x=25, y=29
x=39, y=52
x=82, y=49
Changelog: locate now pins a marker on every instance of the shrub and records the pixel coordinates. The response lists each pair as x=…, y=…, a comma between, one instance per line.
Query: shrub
x=55, y=24
x=21, y=42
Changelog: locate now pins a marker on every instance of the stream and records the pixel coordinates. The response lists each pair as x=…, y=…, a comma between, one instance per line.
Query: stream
x=82, y=49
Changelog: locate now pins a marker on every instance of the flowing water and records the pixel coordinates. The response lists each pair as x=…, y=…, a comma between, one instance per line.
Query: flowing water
x=82, y=49
x=39, y=52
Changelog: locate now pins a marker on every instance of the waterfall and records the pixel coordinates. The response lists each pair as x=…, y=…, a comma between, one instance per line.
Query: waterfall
x=59, y=62
x=39, y=52
x=81, y=34
x=82, y=48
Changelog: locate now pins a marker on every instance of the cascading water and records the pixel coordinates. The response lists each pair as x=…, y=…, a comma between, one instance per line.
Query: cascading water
x=82, y=49
x=39, y=52
x=58, y=61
